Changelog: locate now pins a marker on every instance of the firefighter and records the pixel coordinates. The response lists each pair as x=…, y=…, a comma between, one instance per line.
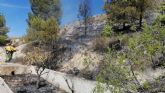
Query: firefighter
x=10, y=49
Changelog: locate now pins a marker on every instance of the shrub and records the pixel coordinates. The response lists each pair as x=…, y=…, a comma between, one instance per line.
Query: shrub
x=2, y=40
x=133, y=28
x=100, y=44
x=87, y=74
x=107, y=31
x=115, y=44
x=162, y=18
x=114, y=72
x=39, y=58
x=146, y=85
x=139, y=53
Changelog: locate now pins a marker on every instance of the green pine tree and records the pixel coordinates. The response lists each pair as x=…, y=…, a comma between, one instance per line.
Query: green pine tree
x=123, y=12
x=3, y=30
x=46, y=9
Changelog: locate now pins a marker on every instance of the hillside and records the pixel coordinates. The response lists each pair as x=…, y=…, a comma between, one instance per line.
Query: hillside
x=108, y=46
x=79, y=55
x=77, y=48
x=79, y=45
x=80, y=58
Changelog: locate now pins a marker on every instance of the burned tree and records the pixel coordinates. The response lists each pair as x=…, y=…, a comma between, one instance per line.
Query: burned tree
x=71, y=87
x=38, y=58
x=85, y=13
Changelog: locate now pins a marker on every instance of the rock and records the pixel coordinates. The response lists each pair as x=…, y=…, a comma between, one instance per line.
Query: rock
x=42, y=84
x=158, y=60
x=4, y=87
x=22, y=90
x=19, y=53
x=76, y=71
x=116, y=44
x=2, y=54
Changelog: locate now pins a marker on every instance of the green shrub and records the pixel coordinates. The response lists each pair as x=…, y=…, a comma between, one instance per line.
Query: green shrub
x=140, y=50
x=114, y=73
x=133, y=28
x=2, y=39
x=162, y=18
x=146, y=85
x=107, y=31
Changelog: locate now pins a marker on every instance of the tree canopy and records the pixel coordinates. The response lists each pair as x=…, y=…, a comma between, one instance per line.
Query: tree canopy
x=84, y=13
x=127, y=11
x=3, y=29
x=46, y=8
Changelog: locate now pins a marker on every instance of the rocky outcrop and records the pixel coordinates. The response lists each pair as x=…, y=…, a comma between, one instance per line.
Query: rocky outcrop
x=10, y=69
x=77, y=45
x=58, y=79
x=19, y=53
x=2, y=55
x=79, y=85
x=4, y=87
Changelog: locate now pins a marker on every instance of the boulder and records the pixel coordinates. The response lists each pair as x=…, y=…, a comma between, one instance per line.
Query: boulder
x=4, y=87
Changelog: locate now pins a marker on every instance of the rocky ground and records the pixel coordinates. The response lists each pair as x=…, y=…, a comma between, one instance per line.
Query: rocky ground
x=157, y=86
x=27, y=84
x=78, y=47
x=2, y=54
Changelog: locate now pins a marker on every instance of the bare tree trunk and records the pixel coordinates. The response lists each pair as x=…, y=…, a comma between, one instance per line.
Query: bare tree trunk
x=85, y=26
x=40, y=72
x=141, y=15
x=124, y=25
x=140, y=20
x=38, y=82
x=139, y=85
x=124, y=16
x=71, y=88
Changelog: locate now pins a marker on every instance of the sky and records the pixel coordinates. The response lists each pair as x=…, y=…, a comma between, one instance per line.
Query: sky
x=16, y=13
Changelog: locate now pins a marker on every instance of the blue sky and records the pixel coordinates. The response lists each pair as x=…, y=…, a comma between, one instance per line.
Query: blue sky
x=16, y=13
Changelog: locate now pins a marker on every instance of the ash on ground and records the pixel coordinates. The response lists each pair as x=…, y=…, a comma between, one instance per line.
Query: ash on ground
x=27, y=84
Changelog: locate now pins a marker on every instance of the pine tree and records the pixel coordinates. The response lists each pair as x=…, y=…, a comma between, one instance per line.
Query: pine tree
x=128, y=11
x=85, y=13
x=3, y=29
x=42, y=30
x=142, y=6
x=44, y=20
x=162, y=16
x=43, y=27
x=46, y=8
x=120, y=12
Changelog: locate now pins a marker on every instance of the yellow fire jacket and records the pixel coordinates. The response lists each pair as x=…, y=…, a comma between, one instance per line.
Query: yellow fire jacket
x=10, y=48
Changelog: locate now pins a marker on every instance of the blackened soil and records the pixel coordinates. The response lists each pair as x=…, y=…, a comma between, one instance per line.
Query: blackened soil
x=27, y=84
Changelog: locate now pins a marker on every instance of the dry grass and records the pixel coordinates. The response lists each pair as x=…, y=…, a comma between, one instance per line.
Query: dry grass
x=100, y=43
